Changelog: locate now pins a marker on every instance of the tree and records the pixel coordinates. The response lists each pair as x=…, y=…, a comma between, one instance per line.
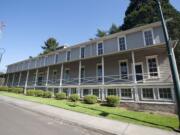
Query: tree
x=141, y=12
x=101, y=33
x=114, y=29
x=50, y=45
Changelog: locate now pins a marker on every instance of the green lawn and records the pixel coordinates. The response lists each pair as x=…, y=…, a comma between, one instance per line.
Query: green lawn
x=144, y=118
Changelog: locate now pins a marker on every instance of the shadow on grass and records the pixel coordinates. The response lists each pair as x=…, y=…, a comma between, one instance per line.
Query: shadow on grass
x=105, y=114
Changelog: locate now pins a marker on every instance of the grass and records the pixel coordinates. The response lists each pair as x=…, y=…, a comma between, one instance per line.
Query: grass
x=167, y=122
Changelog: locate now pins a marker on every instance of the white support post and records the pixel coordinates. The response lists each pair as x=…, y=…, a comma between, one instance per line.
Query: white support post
x=19, y=79
x=79, y=73
x=36, y=77
x=133, y=67
x=102, y=61
x=61, y=76
x=47, y=77
x=7, y=80
x=26, y=83
x=13, y=79
x=134, y=77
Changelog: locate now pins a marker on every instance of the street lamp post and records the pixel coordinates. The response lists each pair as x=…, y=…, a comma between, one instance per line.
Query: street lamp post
x=172, y=61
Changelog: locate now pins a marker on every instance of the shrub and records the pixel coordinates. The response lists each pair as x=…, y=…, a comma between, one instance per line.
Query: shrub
x=17, y=90
x=90, y=99
x=39, y=93
x=10, y=89
x=60, y=96
x=3, y=88
x=74, y=97
x=47, y=94
x=113, y=101
x=30, y=93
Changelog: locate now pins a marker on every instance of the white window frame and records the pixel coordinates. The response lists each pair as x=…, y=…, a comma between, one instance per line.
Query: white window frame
x=152, y=31
x=65, y=72
x=89, y=91
x=140, y=63
x=67, y=55
x=99, y=96
x=157, y=63
x=120, y=61
x=80, y=52
x=132, y=95
x=164, y=99
x=148, y=99
x=98, y=64
x=124, y=36
x=97, y=48
x=84, y=72
x=112, y=89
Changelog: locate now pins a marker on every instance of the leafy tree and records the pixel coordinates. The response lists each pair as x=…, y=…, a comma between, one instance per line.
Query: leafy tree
x=114, y=29
x=50, y=45
x=101, y=33
x=141, y=12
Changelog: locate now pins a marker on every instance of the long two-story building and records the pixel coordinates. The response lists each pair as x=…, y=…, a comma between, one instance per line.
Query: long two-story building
x=132, y=64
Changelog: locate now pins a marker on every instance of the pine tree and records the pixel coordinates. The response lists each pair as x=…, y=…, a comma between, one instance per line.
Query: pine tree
x=114, y=29
x=100, y=33
x=50, y=45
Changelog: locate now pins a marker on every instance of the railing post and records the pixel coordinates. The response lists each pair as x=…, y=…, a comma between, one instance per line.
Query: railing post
x=27, y=76
x=36, y=77
x=13, y=79
x=7, y=80
x=47, y=78
x=102, y=89
x=61, y=76
x=19, y=79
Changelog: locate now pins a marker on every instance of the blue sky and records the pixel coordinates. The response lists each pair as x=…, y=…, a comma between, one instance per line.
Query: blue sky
x=30, y=22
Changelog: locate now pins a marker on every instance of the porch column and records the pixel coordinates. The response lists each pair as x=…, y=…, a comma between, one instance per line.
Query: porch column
x=36, y=77
x=136, y=98
x=79, y=73
x=19, y=79
x=47, y=77
x=61, y=76
x=27, y=76
x=7, y=80
x=13, y=79
x=102, y=61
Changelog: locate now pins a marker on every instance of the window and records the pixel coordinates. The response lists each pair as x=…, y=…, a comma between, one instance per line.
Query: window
x=152, y=67
x=123, y=70
x=65, y=90
x=82, y=74
x=85, y=92
x=148, y=37
x=73, y=90
x=165, y=93
x=67, y=77
x=99, y=72
x=82, y=52
x=126, y=93
x=96, y=92
x=112, y=92
x=68, y=55
x=54, y=75
x=100, y=48
x=122, y=43
x=147, y=93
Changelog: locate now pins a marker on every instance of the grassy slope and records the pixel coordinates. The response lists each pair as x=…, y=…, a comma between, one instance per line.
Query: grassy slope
x=121, y=114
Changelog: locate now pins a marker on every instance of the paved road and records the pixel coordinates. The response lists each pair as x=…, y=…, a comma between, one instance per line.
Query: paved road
x=17, y=121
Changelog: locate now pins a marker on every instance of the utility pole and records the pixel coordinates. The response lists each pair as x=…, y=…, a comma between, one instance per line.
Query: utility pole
x=172, y=60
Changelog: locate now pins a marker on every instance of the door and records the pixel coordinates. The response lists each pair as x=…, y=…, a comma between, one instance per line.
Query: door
x=139, y=72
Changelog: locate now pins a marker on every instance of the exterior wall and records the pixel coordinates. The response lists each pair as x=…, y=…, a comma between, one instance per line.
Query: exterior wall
x=75, y=53
x=61, y=57
x=50, y=60
x=51, y=78
x=110, y=45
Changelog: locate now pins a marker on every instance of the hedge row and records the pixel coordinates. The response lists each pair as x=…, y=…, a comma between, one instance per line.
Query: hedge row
x=88, y=99
x=12, y=89
x=39, y=93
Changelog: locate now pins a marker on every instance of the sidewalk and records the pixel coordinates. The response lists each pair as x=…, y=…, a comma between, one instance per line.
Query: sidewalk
x=95, y=123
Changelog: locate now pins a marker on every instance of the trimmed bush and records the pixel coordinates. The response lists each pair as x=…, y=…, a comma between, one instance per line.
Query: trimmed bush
x=17, y=90
x=3, y=88
x=60, y=96
x=90, y=99
x=47, y=94
x=39, y=93
x=30, y=93
x=74, y=97
x=113, y=101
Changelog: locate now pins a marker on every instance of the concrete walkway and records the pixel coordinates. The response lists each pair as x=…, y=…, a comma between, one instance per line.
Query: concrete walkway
x=94, y=123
